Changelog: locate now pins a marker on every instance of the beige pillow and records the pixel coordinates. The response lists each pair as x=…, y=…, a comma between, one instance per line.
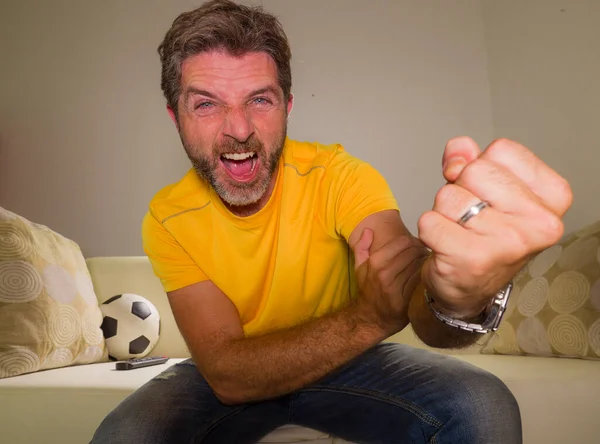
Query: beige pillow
x=49, y=314
x=555, y=307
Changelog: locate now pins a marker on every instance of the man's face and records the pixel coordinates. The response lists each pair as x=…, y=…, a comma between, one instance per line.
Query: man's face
x=232, y=119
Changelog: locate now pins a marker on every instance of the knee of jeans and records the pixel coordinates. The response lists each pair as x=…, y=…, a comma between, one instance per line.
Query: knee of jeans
x=489, y=393
x=126, y=424
x=113, y=429
x=485, y=407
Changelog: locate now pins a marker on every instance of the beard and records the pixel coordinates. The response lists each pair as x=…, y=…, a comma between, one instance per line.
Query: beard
x=237, y=194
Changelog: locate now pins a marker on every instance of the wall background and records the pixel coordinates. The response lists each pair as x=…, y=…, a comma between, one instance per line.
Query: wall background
x=85, y=140
x=543, y=67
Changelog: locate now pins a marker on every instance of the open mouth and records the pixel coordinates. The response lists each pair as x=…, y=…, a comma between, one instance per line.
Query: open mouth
x=241, y=166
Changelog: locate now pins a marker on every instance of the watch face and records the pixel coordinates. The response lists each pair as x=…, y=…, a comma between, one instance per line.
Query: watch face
x=498, y=308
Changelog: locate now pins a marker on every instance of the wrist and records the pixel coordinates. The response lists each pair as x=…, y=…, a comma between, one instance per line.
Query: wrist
x=471, y=313
x=488, y=320
x=474, y=310
x=453, y=302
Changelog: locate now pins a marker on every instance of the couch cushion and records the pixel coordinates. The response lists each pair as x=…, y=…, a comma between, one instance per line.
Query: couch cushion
x=65, y=405
x=555, y=307
x=54, y=401
x=49, y=315
x=558, y=399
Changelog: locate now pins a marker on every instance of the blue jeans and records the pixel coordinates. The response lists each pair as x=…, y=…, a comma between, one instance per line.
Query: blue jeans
x=390, y=394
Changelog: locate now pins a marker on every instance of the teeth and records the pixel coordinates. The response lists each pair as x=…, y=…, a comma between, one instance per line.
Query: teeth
x=238, y=156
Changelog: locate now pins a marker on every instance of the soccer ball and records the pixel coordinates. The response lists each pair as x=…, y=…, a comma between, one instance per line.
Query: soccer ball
x=131, y=326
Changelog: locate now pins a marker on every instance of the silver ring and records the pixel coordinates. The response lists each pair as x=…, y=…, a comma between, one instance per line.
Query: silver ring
x=473, y=211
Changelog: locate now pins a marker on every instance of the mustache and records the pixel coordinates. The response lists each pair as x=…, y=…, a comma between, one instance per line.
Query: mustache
x=234, y=146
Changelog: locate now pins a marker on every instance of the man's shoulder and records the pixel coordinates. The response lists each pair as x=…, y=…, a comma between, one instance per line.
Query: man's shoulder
x=187, y=193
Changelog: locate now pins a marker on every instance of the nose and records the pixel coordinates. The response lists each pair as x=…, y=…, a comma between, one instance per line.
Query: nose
x=238, y=125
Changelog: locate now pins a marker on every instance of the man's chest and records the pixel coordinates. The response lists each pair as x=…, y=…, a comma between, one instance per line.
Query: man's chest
x=285, y=262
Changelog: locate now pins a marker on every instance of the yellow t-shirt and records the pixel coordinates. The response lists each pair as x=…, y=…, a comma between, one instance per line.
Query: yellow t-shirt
x=288, y=262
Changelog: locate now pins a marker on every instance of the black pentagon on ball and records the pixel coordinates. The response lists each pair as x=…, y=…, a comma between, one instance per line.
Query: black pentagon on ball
x=138, y=345
x=109, y=327
x=141, y=310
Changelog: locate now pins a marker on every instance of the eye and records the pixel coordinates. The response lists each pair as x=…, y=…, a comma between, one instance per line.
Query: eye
x=203, y=105
x=261, y=101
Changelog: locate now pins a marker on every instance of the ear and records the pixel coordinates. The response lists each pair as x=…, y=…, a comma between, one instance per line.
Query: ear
x=290, y=104
x=173, y=115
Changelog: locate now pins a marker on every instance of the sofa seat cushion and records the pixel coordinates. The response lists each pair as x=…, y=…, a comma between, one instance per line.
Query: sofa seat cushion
x=558, y=397
x=67, y=404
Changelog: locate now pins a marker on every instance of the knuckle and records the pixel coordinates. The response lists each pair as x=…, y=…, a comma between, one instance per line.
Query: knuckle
x=548, y=229
x=499, y=144
x=481, y=173
x=444, y=195
x=426, y=222
x=553, y=227
x=564, y=193
x=501, y=148
x=519, y=242
x=474, y=173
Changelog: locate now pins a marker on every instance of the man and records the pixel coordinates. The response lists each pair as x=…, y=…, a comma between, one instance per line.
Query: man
x=287, y=263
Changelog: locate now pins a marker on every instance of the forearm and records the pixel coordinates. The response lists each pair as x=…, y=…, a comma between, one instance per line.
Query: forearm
x=249, y=369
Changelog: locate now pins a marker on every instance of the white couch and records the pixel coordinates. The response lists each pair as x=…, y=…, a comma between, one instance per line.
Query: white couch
x=559, y=398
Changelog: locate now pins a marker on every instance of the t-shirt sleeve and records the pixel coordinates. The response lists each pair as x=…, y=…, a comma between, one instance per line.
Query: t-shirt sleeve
x=170, y=262
x=356, y=190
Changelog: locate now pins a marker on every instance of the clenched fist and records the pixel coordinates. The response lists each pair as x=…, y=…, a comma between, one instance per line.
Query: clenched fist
x=470, y=262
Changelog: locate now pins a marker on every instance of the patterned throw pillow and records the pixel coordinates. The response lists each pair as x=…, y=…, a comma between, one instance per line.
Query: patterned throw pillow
x=555, y=307
x=49, y=314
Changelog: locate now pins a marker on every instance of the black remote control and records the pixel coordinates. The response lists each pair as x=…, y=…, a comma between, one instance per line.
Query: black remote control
x=132, y=364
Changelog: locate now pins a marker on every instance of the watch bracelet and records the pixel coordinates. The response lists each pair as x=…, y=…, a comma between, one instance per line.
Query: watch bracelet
x=491, y=315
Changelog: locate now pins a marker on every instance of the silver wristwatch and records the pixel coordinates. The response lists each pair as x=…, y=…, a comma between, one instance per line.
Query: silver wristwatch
x=491, y=316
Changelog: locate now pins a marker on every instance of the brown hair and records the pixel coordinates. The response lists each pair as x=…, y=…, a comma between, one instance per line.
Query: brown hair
x=222, y=25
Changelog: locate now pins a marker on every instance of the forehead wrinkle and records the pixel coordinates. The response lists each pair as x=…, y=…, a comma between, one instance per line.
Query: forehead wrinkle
x=219, y=61
x=223, y=65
